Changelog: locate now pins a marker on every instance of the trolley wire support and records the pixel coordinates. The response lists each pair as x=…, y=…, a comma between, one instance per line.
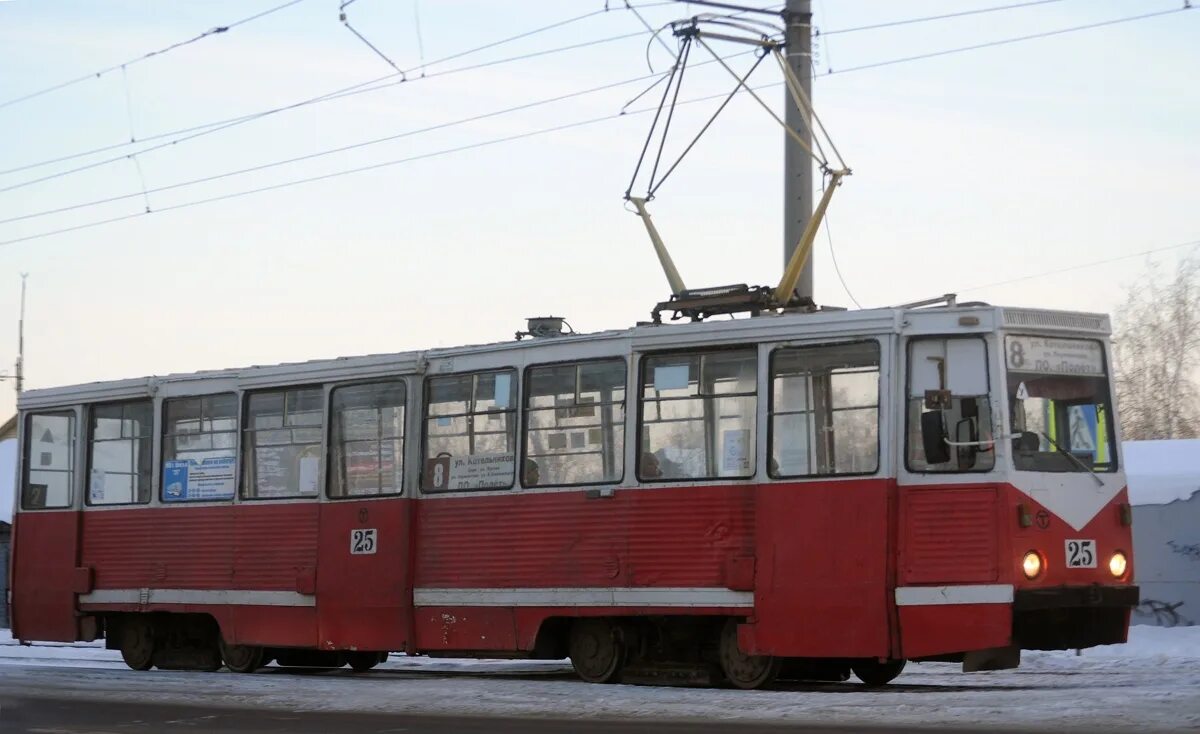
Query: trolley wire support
x=767, y=40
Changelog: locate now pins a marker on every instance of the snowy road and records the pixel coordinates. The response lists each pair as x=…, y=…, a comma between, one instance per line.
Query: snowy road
x=1152, y=684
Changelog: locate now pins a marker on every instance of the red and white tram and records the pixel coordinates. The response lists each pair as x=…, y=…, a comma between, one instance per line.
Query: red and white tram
x=803, y=494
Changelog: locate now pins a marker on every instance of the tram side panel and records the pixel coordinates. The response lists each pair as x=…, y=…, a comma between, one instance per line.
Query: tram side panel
x=490, y=570
x=953, y=587
x=251, y=567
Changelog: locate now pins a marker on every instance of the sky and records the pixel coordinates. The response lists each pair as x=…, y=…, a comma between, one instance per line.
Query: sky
x=970, y=169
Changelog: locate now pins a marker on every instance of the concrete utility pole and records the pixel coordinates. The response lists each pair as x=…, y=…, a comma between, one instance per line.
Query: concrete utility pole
x=21, y=340
x=18, y=377
x=797, y=167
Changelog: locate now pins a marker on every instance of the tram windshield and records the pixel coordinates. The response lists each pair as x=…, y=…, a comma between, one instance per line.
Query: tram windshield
x=1060, y=407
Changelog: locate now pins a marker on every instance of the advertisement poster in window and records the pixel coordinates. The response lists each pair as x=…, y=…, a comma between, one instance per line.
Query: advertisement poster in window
x=204, y=479
x=736, y=451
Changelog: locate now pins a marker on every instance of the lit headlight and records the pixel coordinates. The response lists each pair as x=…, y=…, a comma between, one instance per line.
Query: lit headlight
x=1032, y=565
x=1117, y=564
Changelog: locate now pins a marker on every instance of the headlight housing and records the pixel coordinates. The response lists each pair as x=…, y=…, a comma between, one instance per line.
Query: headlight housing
x=1118, y=564
x=1031, y=565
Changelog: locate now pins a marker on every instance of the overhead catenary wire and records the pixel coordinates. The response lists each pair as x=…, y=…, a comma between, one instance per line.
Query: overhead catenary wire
x=561, y=127
x=345, y=19
x=339, y=94
x=929, y=18
x=359, y=169
x=420, y=40
x=1015, y=39
x=342, y=148
x=97, y=74
x=365, y=87
x=385, y=82
x=836, y=268
x=1081, y=266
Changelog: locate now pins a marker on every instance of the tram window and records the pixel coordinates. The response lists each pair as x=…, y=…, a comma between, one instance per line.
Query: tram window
x=199, y=448
x=49, y=474
x=366, y=445
x=698, y=415
x=282, y=446
x=825, y=410
x=119, y=453
x=950, y=377
x=470, y=431
x=574, y=424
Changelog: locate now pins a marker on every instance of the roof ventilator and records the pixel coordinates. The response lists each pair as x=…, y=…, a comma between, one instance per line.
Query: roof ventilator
x=542, y=327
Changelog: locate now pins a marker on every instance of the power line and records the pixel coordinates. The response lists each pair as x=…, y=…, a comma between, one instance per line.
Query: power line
x=362, y=169
x=345, y=148
x=1080, y=266
x=381, y=83
x=928, y=18
x=546, y=130
x=836, y=269
x=97, y=74
x=346, y=22
x=326, y=98
x=1004, y=41
x=857, y=68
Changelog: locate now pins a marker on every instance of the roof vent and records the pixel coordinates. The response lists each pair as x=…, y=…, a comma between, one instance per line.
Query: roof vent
x=545, y=326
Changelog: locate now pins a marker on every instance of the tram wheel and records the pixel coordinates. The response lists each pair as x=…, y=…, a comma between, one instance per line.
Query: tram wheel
x=242, y=658
x=361, y=662
x=137, y=642
x=596, y=650
x=875, y=673
x=742, y=670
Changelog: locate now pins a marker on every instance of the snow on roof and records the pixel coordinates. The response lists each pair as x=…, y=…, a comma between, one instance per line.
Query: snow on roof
x=1161, y=472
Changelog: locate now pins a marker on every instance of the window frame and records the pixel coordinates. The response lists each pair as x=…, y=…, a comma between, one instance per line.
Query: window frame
x=1109, y=414
x=879, y=416
x=89, y=444
x=644, y=358
x=237, y=446
x=523, y=426
x=425, y=417
x=908, y=373
x=24, y=457
x=243, y=444
x=404, y=438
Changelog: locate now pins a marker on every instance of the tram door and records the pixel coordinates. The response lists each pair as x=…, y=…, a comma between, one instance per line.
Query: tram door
x=363, y=583
x=822, y=522
x=46, y=544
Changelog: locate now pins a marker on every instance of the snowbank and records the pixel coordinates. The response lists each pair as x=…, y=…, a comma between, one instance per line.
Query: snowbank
x=1160, y=472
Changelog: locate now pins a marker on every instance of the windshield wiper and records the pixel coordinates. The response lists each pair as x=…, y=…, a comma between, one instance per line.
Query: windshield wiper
x=1075, y=459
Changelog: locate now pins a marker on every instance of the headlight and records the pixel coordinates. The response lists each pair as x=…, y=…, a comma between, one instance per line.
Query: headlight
x=1032, y=565
x=1117, y=564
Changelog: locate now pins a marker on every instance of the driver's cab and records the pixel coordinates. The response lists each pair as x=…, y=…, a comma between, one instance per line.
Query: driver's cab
x=1012, y=401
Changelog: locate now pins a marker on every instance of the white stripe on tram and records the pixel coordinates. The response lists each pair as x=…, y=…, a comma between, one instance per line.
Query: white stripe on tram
x=221, y=597
x=909, y=596
x=586, y=597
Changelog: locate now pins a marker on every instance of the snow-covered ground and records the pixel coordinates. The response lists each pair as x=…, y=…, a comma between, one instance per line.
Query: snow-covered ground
x=1152, y=683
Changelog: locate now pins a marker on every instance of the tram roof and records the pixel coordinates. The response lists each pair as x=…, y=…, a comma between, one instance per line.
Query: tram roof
x=831, y=324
